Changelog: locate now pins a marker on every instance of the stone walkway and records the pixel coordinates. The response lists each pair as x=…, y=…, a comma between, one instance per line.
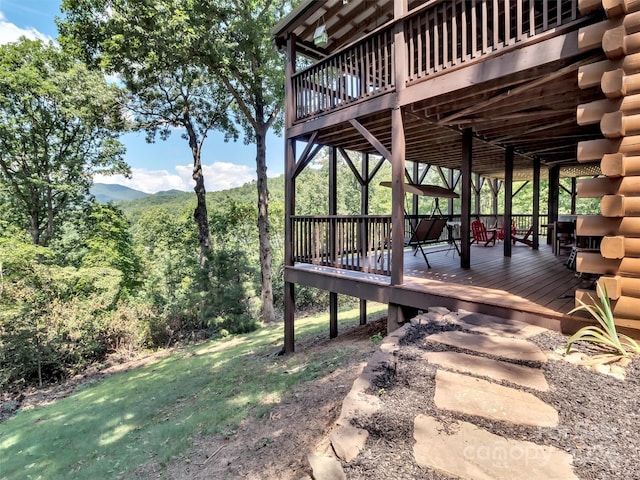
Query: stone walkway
x=464, y=450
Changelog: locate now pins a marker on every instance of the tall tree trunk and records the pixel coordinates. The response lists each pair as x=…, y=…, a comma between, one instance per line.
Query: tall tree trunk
x=267, y=313
x=200, y=214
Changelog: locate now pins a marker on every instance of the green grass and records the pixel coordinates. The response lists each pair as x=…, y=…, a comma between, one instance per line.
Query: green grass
x=153, y=413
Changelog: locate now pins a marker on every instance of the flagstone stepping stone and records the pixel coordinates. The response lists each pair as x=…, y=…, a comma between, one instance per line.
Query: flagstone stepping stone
x=489, y=325
x=348, y=441
x=488, y=367
x=463, y=450
x=326, y=468
x=474, y=396
x=511, y=348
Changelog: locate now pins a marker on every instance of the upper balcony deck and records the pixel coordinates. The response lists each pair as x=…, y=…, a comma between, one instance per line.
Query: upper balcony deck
x=506, y=68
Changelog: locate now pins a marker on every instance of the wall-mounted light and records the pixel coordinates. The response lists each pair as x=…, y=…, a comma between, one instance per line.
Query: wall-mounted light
x=321, y=37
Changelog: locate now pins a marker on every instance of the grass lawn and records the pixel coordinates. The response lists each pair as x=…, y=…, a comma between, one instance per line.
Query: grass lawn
x=151, y=414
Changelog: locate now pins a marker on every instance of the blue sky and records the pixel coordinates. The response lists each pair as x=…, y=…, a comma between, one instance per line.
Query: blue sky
x=162, y=165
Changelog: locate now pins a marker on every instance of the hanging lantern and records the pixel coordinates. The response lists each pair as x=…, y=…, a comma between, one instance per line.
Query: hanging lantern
x=321, y=37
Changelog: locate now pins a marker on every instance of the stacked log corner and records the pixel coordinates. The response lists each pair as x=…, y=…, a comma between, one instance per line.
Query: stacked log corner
x=618, y=113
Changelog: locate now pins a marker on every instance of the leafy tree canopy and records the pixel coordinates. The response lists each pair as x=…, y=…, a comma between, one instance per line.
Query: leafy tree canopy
x=59, y=124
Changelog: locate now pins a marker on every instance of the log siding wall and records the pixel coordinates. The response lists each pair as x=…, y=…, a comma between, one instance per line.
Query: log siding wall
x=618, y=261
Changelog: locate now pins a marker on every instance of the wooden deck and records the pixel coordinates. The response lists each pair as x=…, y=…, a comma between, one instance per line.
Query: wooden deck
x=528, y=284
x=533, y=286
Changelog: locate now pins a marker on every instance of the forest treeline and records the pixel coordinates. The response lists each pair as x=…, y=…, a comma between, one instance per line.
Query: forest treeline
x=125, y=277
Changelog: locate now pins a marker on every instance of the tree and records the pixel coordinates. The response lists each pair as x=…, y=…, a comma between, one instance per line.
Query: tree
x=230, y=38
x=150, y=46
x=59, y=124
x=242, y=55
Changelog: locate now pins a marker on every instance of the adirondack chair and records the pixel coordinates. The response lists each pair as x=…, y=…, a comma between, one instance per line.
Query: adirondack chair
x=500, y=231
x=482, y=236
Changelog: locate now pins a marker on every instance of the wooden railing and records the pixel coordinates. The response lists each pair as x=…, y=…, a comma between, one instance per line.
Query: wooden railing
x=440, y=35
x=360, y=242
x=450, y=33
x=361, y=71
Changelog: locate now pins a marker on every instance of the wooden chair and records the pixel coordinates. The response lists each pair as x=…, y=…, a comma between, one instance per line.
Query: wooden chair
x=427, y=231
x=481, y=235
x=526, y=238
x=500, y=232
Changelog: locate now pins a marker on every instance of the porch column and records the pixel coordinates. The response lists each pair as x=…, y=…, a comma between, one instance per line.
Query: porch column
x=465, y=199
x=395, y=315
x=574, y=195
x=536, y=203
x=333, y=210
x=397, y=196
x=364, y=210
x=476, y=194
x=450, y=200
x=508, y=199
x=554, y=193
x=290, y=198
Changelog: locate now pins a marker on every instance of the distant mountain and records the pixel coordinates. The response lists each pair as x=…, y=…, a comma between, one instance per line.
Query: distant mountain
x=169, y=192
x=106, y=193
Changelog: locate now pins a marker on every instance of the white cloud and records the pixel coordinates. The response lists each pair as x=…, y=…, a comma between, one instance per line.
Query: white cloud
x=217, y=176
x=10, y=32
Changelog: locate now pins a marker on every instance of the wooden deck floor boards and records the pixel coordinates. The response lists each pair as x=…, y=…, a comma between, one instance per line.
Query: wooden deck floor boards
x=536, y=276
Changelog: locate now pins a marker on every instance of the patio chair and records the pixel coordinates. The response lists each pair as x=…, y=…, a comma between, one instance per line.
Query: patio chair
x=427, y=231
x=500, y=231
x=526, y=238
x=482, y=236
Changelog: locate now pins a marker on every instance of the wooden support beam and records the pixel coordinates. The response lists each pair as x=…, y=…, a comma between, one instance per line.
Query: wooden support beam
x=616, y=83
x=594, y=263
x=619, y=165
x=380, y=148
x=620, y=247
x=620, y=206
x=398, y=147
x=351, y=166
x=508, y=198
x=465, y=199
x=598, y=187
x=553, y=199
x=333, y=314
x=536, y=203
x=597, y=226
x=617, y=286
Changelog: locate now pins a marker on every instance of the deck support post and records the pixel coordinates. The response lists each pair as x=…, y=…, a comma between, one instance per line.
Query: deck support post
x=333, y=210
x=536, y=203
x=364, y=210
x=476, y=194
x=508, y=199
x=395, y=317
x=397, y=196
x=290, y=198
x=465, y=199
x=554, y=193
x=450, y=200
x=333, y=314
